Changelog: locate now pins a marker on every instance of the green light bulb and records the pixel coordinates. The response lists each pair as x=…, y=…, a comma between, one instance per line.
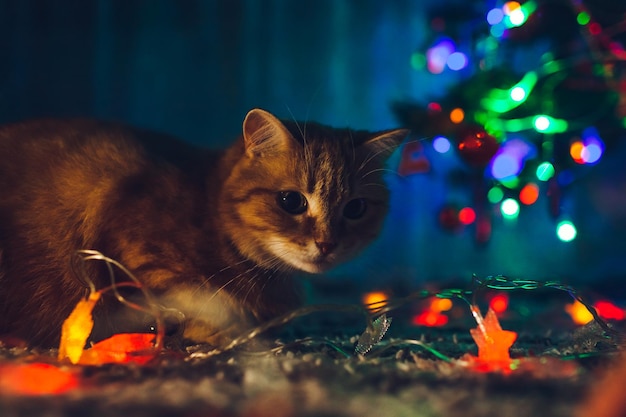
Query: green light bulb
x=566, y=231
x=545, y=171
x=541, y=123
x=547, y=124
x=510, y=208
x=518, y=94
x=583, y=18
x=504, y=100
x=495, y=195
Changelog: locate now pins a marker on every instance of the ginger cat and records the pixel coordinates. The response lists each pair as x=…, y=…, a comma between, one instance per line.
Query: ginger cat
x=216, y=235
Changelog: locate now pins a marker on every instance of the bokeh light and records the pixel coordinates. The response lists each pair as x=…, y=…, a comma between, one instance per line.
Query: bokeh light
x=578, y=312
x=457, y=115
x=587, y=151
x=576, y=151
x=504, y=100
x=441, y=144
x=467, y=215
x=605, y=309
x=495, y=16
x=511, y=183
x=595, y=28
x=566, y=231
x=518, y=94
x=593, y=150
x=457, y=61
x=583, y=18
x=517, y=17
x=497, y=31
x=433, y=107
x=440, y=304
x=594, y=146
x=495, y=195
x=510, y=6
x=545, y=171
x=505, y=165
x=437, y=56
x=617, y=48
x=418, y=61
x=375, y=300
x=430, y=318
x=509, y=160
x=546, y=124
x=509, y=208
x=499, y=303
x=608, y=310
x=519, y=14
x=541, y=123
x=529, y=194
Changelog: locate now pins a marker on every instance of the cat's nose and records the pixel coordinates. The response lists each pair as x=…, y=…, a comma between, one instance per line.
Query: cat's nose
x=326, y=247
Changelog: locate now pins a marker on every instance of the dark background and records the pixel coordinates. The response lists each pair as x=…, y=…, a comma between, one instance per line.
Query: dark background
x=194, y=68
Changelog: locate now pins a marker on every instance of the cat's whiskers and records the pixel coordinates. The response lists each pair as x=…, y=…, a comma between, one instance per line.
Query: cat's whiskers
x=373, y=171
x=270, y=263
x=206, y=303
x=251, y=285
x=293, y=117
x=246, y=281
x=230, y=281
x=206, y=281
x=383, y=148
x=382, y=169
x=308, y=109
x=372, y=155
x=257, y=274
x=374, y=184
x=255, y=283
x=353, y=148
x=275, y=265
x=300, y=129
x=249, y=278
x=308, y=156
x=306, y=149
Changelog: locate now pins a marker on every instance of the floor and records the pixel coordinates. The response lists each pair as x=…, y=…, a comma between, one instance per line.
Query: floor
x=308, y=367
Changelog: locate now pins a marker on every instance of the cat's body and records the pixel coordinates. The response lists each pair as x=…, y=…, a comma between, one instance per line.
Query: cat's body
x=215, y=235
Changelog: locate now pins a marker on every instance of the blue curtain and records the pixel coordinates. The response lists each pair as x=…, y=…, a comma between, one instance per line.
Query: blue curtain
x=194, y=67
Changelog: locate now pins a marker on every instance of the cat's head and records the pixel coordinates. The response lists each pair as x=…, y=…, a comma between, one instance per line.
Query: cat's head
x=305, y=196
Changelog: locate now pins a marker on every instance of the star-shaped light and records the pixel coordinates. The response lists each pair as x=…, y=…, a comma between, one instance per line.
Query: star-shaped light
x=493, y=342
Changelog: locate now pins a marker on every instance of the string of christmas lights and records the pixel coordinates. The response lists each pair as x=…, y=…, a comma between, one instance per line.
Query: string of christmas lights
x=493, y=342
x=522, y=134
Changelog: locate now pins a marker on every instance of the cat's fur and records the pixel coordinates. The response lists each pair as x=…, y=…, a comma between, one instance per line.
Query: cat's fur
x=204, y=231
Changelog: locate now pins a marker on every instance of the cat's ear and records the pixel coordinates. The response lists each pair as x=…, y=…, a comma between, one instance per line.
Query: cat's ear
x=263, y=133
x=384, y=143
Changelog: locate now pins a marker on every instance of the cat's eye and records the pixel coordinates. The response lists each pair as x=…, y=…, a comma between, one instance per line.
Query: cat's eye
x=355, y=209
x=292, y=202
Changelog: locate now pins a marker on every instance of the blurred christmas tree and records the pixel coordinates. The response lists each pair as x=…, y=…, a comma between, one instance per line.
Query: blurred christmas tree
x=540, y=96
